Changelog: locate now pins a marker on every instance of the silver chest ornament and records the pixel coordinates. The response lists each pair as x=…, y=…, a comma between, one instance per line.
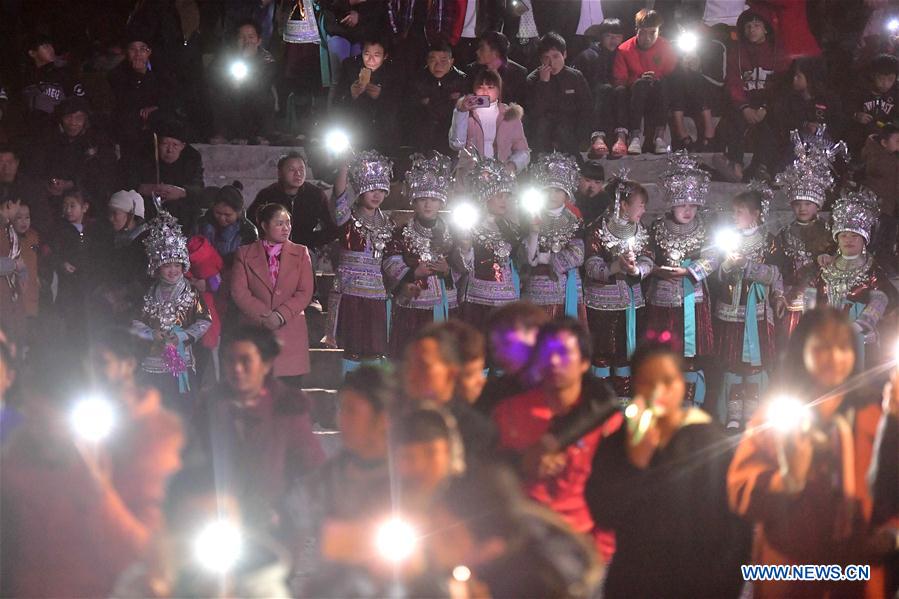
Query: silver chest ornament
x=421, y=241
x=170, y=311
x=377, y=230
x=623, y=238
x=556, y=232
x=493, y=241
x=839, y=280
x=677, y=241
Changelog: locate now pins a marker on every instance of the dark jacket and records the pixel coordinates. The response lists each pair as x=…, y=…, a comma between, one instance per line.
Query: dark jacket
x=883, y=107
x=44, y=90
x=372, y=18
x=376, y=119
x=593, y=207
x=313, y=225
x=596, y=65
x=133, y=92
x=432, y=101
x=478, y=432
x=88, y=160
x=514, y=78
x=85, y=250
x=565, y=97
x=186, y=172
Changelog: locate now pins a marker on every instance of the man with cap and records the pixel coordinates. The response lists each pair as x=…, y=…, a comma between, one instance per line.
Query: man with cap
x=176, y=179
x=75, y=154
x=590, y=197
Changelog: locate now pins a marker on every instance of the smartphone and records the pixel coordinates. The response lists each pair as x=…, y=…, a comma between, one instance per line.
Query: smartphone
x=365, y=76
x=482, y=101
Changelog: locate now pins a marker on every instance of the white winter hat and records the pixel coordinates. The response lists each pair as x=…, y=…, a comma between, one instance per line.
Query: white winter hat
x=128, y=201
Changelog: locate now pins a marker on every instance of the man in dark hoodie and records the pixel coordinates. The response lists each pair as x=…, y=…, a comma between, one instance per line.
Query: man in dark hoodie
x=432, y=95
x=751, y=68
x=47, y=85
x=874, y=100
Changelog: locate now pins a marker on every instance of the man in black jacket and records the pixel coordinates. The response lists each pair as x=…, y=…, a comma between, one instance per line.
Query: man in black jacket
x=609, y=110
x=559, y=102
x=311, y=220
x=47, y=85
x=432, y=95
x=493, y=53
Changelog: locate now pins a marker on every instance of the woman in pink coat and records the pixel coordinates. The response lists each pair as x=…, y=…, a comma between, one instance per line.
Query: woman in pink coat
x=272, y=283
x=493, y=129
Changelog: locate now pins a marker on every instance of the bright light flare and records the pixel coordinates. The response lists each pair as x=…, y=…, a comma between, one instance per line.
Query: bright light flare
x=396, y=540
x=687, y=42
x=465, y=216
x=337, y=141
x=93, y=419
x=461, y=574
x=239, y=70
x=787, y=414
x=893, y=25
x=533, y=200
x=219, y=546
x=728, y=240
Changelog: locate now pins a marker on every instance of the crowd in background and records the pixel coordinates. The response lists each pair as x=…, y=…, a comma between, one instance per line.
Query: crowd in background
x=540, y=393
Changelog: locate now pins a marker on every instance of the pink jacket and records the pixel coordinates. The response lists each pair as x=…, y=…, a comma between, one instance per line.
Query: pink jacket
x=510, y=143
x=254, y=294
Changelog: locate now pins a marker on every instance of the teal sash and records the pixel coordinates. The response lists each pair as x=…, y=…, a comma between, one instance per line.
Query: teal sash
x=516, y=280
x=697, y=378
x=571, y=294
x=752, y=351
x=630, y=319
x=441, y=310
x=855, y=310
x=689, y=313
x=183, y=378
x=601, y=372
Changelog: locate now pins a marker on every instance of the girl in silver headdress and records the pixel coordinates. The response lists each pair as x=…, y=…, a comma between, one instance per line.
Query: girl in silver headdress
x=553, y=251
x=618, y=259
x=678, y=302
x=852, y=280
x=750, y=292
x=417, y=268
x=174, y=315
x=358, y=308
x=488, y=249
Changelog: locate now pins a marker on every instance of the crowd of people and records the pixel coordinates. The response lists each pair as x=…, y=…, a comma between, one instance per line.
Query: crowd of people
x=543, y=392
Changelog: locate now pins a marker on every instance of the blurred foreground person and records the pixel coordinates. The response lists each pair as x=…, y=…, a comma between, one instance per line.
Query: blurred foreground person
x=81, y=483
x=660, y=484
x=531, y=424
x=800, y=472
x=428, y=455
x=488, y=540
x=10, y=417
x=206, y=549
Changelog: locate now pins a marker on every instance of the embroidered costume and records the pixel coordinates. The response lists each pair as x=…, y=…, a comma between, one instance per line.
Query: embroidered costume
x=553, y=255
x=174, y=316
x=615, y=299
x=492, y=278
x=418, y=302
x=856, y=284
x=682, y=306
x=358, y=305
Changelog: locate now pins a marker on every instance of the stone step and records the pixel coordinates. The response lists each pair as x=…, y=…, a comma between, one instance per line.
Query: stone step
x=329, y=440
x=324, y=406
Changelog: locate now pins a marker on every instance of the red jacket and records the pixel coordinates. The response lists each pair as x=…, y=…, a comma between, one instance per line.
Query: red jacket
x=205, y=263
x=750, y=73
x=790, y=22
x=521, y=421
x=631, y=62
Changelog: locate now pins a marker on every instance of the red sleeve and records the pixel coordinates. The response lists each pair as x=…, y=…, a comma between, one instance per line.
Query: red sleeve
x=456, y=33
x=669, y=58
x=734, y=78
x=619, y=69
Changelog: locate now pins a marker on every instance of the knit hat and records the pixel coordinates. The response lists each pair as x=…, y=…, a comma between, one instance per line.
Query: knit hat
x=556, y=170
x=369, y=171
x=429, y=177
x=128, y=201
x=855, y=212
x=165, y=244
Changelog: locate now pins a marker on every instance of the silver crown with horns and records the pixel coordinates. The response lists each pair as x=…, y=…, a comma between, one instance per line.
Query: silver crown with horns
x=856, y=211
x=685, y=182
x=811, y=174
x=429, y=177
x=165, y=244
x=488, y=177
x=370, y=170
x=556, y=170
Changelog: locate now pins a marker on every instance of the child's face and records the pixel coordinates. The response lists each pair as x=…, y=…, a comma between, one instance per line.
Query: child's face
x=890, y=143
x=8, y=210
x=248, y=40
x=171, y=273
x=755, y=31
x=634, y=208
x=851, y=244
x=884, y=82
x=372, y=199
x=73, y=210
x=43, y=54
x=804, y=211
x=22, y=220
x=427, y=208
x=611, y=41
x=498, y=204
x=555, y=198
x=684, y=214
x=373, y=56
x=745, y=217
x=800, y=84
x=119, y=219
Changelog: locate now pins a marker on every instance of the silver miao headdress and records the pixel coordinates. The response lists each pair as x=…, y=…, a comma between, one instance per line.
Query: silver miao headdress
x=685, y=182
x=165, y=243
x=810, y=176
x=488, y=177
x=370, y=170
x=856, y=211
x=429, y=177
x=623, y=189
x=556, y=170
x=767, y=193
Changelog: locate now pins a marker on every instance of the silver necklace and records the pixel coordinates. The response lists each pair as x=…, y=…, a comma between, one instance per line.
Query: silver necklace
x=676, y=240
x=842, y=276
x=557, y=231
x=376, y=228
